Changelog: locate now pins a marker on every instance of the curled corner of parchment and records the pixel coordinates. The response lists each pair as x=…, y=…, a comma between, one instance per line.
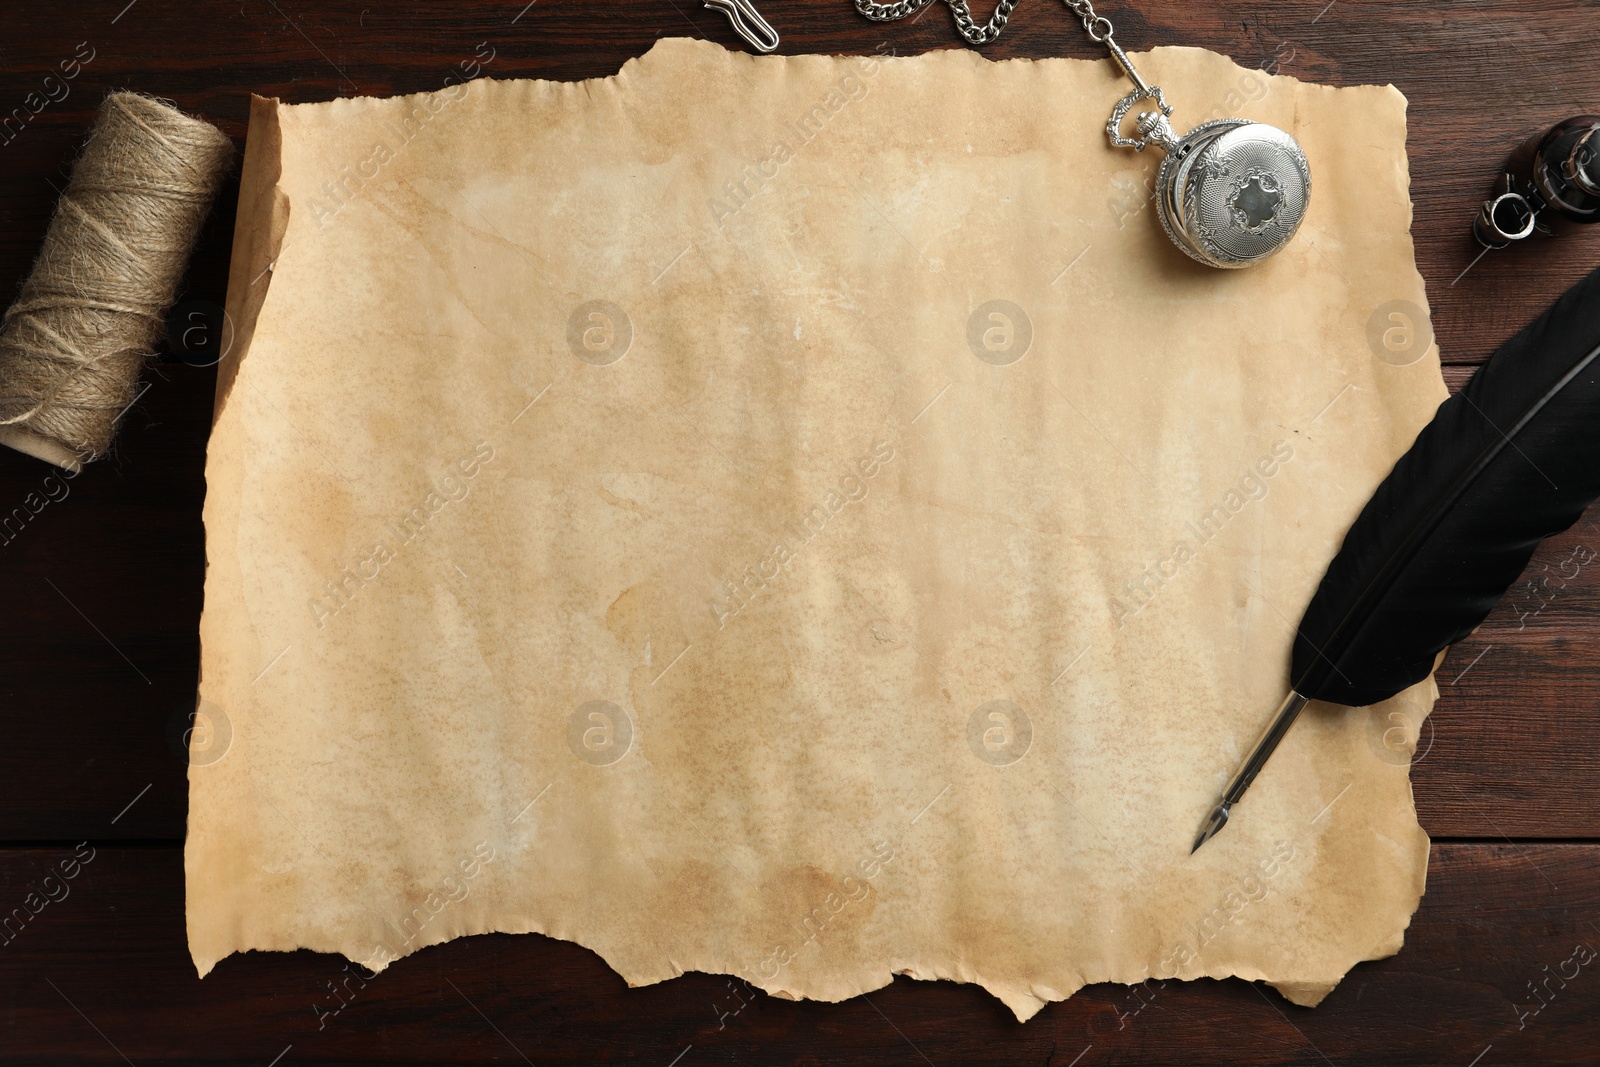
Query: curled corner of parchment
x=262, y=221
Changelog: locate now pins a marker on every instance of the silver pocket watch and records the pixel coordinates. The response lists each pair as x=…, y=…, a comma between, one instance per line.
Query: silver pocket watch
x=1230, y=192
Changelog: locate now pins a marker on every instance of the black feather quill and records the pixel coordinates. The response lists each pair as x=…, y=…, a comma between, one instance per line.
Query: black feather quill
x=1511, y=459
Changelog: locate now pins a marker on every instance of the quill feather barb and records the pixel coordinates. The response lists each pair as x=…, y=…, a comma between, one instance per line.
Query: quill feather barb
x=1511, y=459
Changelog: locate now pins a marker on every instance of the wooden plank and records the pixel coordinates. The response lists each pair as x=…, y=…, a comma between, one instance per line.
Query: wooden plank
x=1515, y=741
x=106, y=965
x=100, y=652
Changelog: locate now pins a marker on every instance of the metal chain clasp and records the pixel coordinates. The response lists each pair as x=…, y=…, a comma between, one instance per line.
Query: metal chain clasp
x=1153, y=124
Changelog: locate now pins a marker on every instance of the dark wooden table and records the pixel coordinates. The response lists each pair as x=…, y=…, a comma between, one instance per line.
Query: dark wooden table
x=100, y=595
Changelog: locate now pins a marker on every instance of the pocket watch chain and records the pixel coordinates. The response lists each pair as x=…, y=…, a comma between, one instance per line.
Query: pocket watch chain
x=1099, y=29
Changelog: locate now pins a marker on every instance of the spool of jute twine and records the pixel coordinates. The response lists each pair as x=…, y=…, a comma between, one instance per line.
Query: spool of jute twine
x=93, y=308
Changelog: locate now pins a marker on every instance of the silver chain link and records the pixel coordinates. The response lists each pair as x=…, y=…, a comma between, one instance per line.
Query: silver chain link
x=965, y=24
x=1099, y=29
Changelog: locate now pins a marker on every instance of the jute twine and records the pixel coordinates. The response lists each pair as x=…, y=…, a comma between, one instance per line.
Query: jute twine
x=94, y=307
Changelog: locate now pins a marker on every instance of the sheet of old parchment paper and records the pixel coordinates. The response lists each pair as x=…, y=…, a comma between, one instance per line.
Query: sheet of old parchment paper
x=799, y=518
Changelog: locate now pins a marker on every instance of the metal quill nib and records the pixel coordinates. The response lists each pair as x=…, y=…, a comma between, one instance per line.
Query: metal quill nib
x=1287, y=712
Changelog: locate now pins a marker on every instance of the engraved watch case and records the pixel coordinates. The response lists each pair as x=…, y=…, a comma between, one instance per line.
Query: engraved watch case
x=1232, y=192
